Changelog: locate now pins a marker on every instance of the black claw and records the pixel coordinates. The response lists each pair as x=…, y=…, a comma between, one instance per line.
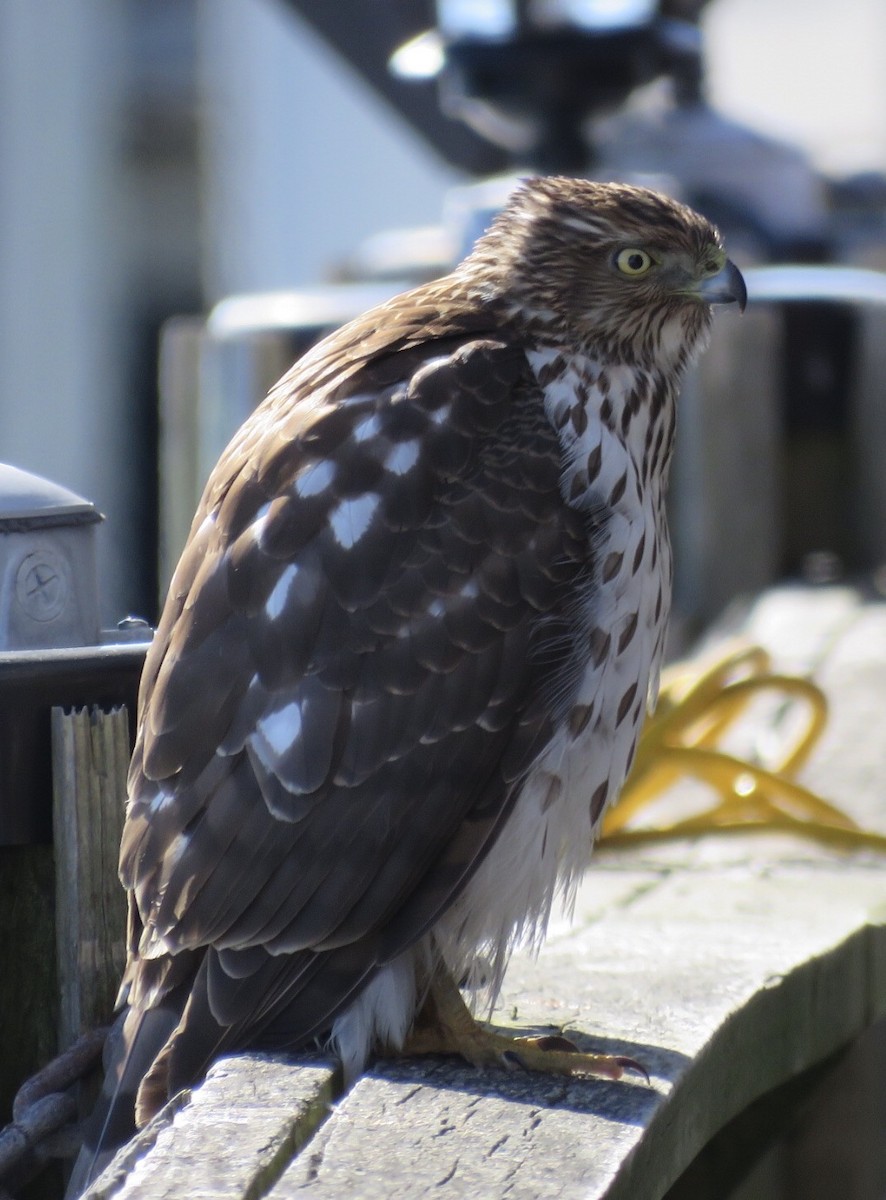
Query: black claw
x=631, y=1064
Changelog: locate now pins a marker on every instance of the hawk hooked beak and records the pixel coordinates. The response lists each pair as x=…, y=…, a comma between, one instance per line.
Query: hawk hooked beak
x=726, y=287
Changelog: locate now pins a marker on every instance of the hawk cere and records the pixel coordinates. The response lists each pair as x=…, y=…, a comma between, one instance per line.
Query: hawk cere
x=407, y=652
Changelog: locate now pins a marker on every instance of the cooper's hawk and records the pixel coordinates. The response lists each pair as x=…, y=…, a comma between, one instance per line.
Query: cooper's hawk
x=407, y=652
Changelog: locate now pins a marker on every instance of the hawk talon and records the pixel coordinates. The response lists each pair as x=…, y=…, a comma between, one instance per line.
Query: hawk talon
x=631, y=1064
x=445, y=1025
x=557, y=1042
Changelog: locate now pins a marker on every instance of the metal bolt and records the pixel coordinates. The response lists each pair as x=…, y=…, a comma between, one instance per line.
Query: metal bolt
x=41, y=585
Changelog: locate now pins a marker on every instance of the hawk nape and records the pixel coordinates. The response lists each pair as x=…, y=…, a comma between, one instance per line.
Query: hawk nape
x=407, y=652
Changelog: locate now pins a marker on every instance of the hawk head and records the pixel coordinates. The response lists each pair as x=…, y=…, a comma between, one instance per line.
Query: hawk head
x=626, y=273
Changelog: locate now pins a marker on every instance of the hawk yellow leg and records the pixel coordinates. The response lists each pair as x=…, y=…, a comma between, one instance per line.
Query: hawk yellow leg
x=445, y=1025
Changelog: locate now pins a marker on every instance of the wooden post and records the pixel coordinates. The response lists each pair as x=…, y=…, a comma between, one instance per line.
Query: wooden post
x=90, y=756
x=180, y=481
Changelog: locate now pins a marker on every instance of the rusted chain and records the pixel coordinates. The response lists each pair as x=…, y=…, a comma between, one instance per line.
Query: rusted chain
x=59, y=1074
x=44, y=1117
x=45, y=1107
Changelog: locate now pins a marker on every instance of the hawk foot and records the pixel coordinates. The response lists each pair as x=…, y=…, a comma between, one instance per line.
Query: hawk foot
x=445, y=1025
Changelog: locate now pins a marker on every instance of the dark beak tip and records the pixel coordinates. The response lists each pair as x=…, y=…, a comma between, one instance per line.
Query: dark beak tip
x=741, y=288
x=726, y=287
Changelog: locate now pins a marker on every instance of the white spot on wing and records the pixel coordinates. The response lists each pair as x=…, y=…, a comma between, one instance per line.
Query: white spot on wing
x=280, y=728
x=177, y=850
x=159, y=801
x=351, y=518
x=315, y=480
x=367, y=428
x=205, y=526
x=403, y=457
x=277, y=599
x=259, y=522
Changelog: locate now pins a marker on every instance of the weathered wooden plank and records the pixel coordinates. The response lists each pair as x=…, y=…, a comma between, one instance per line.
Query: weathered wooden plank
x=827, y=1150
x=232, y=1141
x=728, y=1016
x=722, y=989
x=90, y=751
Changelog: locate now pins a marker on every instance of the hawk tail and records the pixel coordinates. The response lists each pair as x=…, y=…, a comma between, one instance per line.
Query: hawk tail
x=134, y=1044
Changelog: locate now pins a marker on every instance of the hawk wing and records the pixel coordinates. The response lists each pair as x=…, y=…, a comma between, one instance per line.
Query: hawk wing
x=367, y=643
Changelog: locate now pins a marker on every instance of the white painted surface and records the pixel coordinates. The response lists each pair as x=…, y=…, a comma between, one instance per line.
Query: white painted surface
x=810, y=71
x=302, y=160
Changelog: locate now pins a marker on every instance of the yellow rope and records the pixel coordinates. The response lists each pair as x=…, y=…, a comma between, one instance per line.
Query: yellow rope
x=697, y=706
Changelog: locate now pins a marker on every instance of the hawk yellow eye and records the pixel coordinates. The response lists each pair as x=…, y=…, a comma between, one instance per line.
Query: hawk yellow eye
x=633, y=261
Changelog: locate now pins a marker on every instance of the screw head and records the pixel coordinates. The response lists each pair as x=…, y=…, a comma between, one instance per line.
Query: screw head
x=41, y=585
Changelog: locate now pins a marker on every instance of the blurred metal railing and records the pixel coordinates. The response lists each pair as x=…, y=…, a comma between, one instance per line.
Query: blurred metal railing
x=782, y=426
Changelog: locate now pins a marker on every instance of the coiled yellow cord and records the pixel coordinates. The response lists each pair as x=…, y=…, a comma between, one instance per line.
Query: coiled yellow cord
x=697, y=706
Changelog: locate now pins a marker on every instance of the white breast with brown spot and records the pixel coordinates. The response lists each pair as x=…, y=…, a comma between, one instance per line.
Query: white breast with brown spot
x=615, y=426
